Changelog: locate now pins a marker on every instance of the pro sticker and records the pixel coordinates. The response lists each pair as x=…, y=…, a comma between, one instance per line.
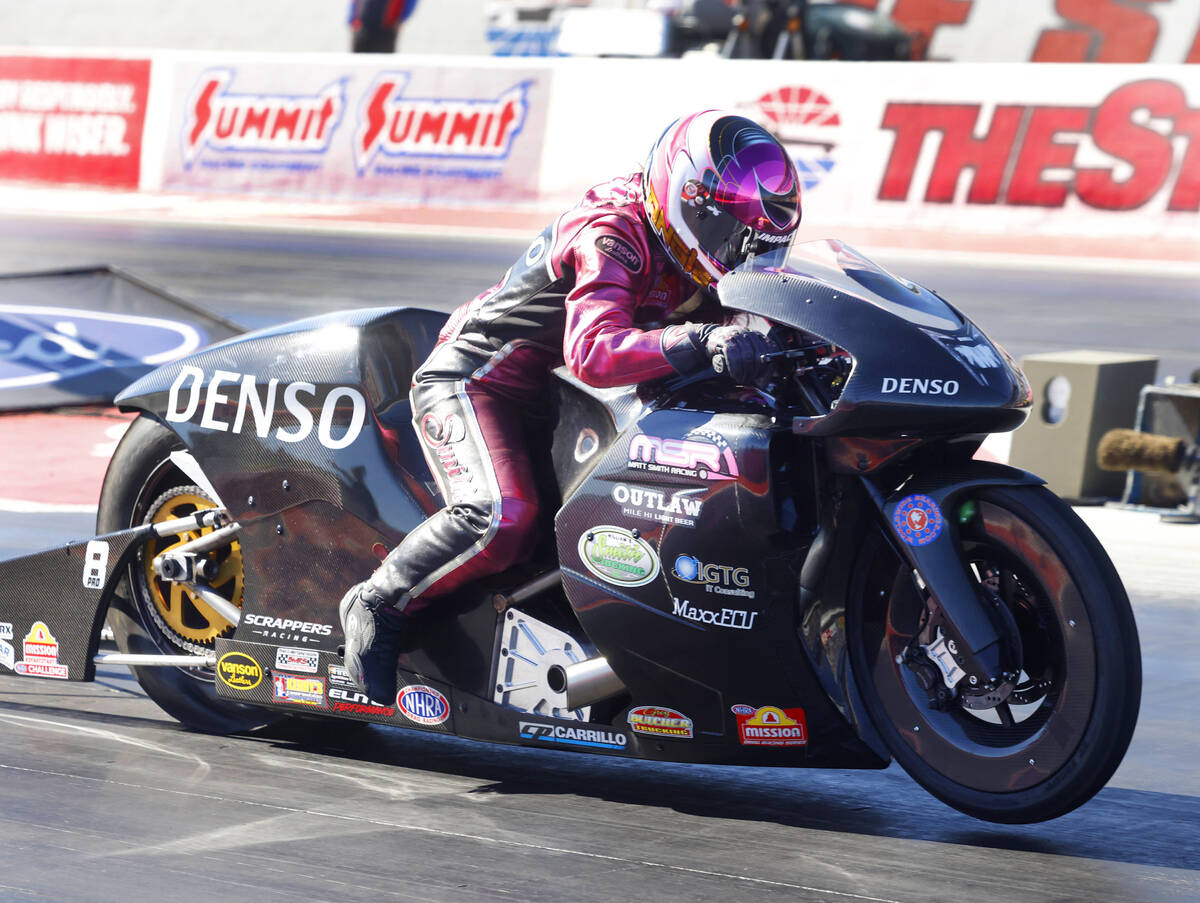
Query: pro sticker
x=918, y=520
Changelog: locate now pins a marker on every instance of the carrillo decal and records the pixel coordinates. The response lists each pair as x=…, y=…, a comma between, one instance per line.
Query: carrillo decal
x=231, y=402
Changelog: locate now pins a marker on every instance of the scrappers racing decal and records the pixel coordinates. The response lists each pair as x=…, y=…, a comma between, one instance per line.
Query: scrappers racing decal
x=221, y=120
x=468, y=128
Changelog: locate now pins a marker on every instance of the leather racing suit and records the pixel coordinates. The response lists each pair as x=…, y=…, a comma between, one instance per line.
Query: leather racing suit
x=584, y=293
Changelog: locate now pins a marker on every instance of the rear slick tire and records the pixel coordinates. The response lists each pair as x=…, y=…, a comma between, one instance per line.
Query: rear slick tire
x=1058, y=739
x=141, y=478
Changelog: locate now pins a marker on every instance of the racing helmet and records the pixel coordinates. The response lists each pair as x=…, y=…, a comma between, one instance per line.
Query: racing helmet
x=718, y=188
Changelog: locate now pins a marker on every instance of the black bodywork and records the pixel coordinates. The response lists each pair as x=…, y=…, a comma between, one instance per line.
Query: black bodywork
x=303, y=431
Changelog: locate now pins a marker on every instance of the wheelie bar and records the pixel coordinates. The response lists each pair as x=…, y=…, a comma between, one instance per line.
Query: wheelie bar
x=53, y=603
x=978, y=643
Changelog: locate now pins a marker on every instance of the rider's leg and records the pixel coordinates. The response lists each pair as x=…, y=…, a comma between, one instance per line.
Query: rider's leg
x=474, y=444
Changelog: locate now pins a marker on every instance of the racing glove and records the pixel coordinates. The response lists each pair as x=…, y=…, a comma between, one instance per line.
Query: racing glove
x=733, y=350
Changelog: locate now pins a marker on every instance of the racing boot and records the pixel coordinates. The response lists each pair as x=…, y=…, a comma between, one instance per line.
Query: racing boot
x=373, y=629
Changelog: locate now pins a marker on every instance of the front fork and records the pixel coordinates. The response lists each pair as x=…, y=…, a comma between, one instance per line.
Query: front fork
x=969, y=647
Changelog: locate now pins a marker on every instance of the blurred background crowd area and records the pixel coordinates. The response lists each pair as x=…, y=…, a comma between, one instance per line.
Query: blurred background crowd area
x=1130, y=31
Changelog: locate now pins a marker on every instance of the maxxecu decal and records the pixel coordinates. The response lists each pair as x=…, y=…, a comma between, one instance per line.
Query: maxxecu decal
x=470, y=128
x=571, y=736
x=736, y=618
x=222, y=121
x=343, y=408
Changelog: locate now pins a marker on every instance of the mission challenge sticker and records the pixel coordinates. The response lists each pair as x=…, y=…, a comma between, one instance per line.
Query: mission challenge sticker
x=618, y=556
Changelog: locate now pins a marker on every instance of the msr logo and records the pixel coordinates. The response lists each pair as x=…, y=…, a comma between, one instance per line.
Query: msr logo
x=221, y=120
x=397, y=126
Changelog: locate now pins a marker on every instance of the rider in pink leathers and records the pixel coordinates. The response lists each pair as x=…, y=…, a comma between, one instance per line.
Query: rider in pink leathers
x=592, y=291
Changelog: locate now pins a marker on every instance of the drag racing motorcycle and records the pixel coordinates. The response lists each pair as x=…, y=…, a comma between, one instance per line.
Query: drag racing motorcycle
x=809, y=572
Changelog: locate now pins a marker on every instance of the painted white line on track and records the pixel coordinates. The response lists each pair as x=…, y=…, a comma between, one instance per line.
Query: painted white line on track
x=22, y=506
x=461, y=835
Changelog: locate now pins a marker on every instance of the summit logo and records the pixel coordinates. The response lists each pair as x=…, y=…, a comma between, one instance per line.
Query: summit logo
x=220, y=120
x=467, y=128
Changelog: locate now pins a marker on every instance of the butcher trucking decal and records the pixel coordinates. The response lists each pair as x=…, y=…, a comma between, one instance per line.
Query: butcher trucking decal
x=918, y=520
x=221, y=120
x=395, y=125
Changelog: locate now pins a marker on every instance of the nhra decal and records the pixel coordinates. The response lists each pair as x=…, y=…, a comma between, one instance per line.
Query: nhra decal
x=736, y=618
x=470, y=128
x=40, y=345
x=650, y=504
x=621, y=251
x=40, y=649
x=306, y=660
x=423, y=704
x=286, y=629
x=1029, y=155
x=918, y=520
x=702, y=453
x=771, y=726
x=296, y=690
x=722, y=579
x=618, y=556
x=239, y=671
x=571, y=736
x=661, y=722
x=343, y=409
x=220, y=120
x=806, y=124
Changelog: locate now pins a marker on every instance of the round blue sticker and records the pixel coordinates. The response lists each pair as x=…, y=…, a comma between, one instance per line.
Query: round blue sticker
x=918, y=520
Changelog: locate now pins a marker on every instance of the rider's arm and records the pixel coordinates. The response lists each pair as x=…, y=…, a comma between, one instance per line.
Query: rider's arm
x=601, y=345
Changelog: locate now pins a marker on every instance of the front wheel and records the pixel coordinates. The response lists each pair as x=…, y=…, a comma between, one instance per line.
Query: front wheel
x=1061, y=733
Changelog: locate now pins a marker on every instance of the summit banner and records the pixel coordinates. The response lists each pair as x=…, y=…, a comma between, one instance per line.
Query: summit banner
x=414, y=133
x=72, y=120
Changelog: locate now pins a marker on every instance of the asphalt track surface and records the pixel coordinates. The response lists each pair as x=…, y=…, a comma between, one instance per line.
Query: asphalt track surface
x=103, y=797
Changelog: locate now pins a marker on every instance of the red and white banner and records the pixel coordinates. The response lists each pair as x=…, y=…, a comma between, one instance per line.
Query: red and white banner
x=72, y=120
x=353, y=131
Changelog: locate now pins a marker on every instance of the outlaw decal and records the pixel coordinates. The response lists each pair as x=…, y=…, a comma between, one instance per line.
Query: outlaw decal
x=680, y=508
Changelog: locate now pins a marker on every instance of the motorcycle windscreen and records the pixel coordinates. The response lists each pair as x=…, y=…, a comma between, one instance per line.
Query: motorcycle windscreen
x=837, y=266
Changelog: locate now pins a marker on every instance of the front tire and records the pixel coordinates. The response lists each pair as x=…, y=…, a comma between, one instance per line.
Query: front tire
x=1056, y=741
x=150, y=616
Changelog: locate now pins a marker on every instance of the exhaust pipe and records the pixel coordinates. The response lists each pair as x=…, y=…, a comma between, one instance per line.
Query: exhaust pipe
x=584, y=682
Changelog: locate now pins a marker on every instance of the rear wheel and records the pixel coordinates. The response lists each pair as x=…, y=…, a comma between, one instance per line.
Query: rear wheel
x=149, y=615
x=1057, y=738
